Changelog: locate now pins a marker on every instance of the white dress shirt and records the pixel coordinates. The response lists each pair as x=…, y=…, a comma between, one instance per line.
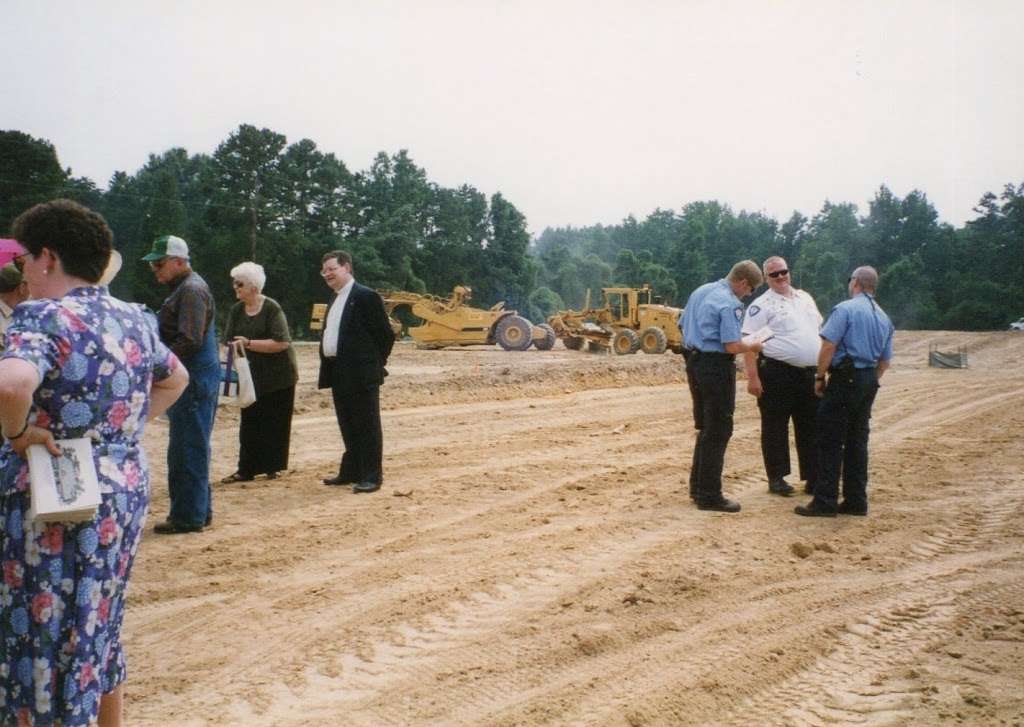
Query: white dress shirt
x=333, y=322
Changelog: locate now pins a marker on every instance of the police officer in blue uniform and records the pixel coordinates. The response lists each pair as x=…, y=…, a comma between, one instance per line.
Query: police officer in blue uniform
x=711, y=338
x=856, y=348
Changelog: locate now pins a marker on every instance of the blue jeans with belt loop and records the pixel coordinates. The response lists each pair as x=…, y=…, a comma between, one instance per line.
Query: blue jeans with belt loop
x=188, y=450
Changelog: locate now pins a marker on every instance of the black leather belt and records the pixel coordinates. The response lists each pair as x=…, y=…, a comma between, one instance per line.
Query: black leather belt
x=770, y=360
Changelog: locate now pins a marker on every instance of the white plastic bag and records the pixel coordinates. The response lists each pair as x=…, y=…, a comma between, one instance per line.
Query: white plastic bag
x=239, y=389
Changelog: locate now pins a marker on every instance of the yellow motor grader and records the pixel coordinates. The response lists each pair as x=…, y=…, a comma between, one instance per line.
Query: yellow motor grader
x=627, y=322
x=451, y=322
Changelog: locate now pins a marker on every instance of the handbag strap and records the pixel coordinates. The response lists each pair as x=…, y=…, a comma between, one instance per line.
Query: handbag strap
x=230, y=364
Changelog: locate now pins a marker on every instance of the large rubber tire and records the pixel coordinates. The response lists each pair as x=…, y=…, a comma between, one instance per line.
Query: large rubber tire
x=653, y=340
x=625, y=341
x=574, y=343
x=548, y=341
x=513, y=333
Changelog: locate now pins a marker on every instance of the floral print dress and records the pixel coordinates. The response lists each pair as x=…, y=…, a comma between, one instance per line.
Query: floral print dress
x=63, y=588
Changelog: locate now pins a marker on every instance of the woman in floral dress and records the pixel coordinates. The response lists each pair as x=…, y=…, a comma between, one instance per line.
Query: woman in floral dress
x=79, y=363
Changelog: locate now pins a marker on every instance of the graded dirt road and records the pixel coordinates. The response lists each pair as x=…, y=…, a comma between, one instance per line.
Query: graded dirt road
x=533, y=558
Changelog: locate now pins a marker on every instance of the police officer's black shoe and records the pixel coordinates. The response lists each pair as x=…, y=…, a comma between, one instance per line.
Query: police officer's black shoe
x=849, y=508
x=721, y=505
x=779, y=486
x=812, y=509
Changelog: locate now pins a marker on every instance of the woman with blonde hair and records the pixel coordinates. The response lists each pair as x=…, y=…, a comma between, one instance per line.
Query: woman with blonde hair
x=258, y=324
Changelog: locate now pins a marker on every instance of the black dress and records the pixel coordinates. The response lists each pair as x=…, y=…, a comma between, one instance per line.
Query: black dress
x=265, y=430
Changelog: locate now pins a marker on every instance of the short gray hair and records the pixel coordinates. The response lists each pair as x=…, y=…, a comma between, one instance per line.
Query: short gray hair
x=772, y=259
x=250, y=274
x=866, y=277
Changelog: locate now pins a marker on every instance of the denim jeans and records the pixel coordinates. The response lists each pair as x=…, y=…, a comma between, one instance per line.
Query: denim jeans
x=188, y=451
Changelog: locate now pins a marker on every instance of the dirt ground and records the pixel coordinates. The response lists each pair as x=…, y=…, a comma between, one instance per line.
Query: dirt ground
x=533, y=558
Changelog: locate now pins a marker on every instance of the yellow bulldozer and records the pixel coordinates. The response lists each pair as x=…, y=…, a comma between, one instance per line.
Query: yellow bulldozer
x=451, y=322
x=627, y=322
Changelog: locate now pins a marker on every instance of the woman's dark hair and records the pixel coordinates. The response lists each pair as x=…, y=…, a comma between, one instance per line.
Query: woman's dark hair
x=75, y=234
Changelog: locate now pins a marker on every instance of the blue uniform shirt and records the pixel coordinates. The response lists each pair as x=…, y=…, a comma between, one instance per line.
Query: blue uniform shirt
x=712, y=317
x=860, y=330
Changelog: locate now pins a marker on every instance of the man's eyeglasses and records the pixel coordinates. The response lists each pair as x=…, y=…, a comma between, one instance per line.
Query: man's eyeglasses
x=778, y=273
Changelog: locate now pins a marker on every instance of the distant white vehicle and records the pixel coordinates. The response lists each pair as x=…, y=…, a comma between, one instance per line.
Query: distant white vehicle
x=1017, y=325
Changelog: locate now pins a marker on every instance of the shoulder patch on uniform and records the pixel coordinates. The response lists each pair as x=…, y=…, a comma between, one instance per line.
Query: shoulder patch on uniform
x=754, y=310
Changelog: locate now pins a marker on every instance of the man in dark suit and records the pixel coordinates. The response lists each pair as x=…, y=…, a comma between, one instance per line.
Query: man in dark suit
x=356, y=342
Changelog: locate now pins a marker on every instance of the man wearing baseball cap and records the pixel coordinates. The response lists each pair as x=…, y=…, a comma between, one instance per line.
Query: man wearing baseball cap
x=186, y=321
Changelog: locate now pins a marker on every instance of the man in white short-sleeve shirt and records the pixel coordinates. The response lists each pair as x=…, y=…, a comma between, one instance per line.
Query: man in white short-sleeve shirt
x=782, y=376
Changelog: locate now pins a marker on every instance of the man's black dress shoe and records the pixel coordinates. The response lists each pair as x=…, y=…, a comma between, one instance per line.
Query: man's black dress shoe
x=780, y=487
x=812, y=510
x=848, y=508
x=366, y=487
x=170, y=527
x=722, y=505
x=337, y=481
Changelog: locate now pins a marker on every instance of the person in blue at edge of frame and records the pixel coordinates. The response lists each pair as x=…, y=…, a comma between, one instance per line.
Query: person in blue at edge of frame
x=187, y=328
x=711, y=338
x=856, y=347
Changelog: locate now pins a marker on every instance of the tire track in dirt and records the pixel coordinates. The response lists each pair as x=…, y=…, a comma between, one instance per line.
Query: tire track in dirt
x=558, y=574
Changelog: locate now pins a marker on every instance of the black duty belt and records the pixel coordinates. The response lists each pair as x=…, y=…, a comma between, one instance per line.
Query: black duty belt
x=713, y=355
x=775, y=362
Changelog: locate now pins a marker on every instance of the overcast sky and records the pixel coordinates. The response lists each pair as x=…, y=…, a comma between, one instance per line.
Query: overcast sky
x=578, y=112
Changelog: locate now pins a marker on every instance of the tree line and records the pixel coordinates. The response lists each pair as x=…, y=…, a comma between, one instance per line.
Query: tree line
x=257, y=197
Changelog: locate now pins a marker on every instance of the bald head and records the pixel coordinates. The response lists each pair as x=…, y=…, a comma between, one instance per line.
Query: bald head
x=866, y=278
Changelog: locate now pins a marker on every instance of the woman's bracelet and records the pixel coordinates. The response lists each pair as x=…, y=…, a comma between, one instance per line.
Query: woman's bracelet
x=19, y=434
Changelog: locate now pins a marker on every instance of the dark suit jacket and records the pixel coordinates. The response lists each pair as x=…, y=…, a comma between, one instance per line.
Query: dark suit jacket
x=365, y=339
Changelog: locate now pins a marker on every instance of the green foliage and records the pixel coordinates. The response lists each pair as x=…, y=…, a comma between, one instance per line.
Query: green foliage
x=543, y=302
x=284, y=205
x=31, y=174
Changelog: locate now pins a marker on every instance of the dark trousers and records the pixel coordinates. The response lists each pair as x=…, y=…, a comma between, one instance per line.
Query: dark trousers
x=265, y=433
x=712, y=381
x=358, y=412
x=844, y=416
x=788, y=394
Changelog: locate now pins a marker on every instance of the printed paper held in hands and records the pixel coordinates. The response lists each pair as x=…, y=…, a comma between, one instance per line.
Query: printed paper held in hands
x=761, y=335
x=64, y=488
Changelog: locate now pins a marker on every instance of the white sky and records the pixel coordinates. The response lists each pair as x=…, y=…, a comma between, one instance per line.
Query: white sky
x=578, y=112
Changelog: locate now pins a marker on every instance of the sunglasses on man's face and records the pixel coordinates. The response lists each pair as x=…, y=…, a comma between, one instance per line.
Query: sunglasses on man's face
x=778, y=273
